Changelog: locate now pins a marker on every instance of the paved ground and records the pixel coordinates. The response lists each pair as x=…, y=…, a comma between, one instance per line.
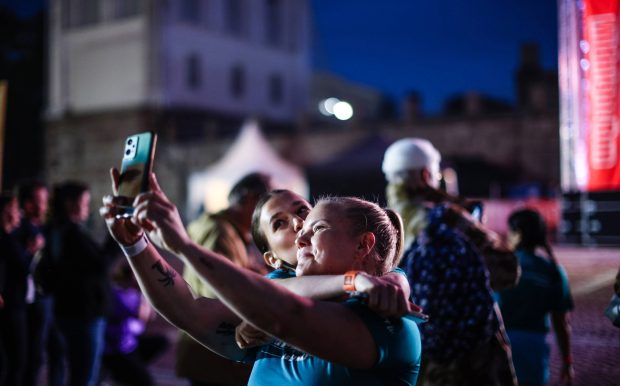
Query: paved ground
x=596, y=343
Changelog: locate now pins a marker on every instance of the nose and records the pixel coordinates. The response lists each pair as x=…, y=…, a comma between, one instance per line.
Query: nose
x=298, y=223
x=302, y=239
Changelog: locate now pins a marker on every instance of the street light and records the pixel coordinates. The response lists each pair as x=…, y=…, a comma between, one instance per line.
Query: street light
x=343, y=111
x=333, y=106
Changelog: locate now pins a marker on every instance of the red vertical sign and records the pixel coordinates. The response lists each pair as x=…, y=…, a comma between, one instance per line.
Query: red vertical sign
x=600, y=65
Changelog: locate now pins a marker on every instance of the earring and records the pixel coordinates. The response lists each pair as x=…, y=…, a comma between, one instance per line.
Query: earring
x=278, y=264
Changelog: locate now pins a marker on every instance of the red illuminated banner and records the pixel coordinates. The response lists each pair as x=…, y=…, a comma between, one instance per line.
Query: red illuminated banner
x=600, y=66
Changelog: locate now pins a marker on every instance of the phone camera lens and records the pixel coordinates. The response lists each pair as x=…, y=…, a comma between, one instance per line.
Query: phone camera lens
x=127, y=152
x=129, y=141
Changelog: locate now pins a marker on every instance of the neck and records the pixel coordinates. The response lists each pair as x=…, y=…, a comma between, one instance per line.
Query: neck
x=240, y=219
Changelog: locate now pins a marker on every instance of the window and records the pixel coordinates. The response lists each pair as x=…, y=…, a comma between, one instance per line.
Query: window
x=127, y=8
x=237, y=81
x=89, y=12
x=233, y=11
x=193, y=76
x=80, y=13
x=191, y=11
x=273, y=22
x=276, y=89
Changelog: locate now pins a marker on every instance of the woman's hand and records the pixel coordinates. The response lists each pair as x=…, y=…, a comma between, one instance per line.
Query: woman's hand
x=122, y=229
x=385, y=297
x=248, y=336
x=160, y=217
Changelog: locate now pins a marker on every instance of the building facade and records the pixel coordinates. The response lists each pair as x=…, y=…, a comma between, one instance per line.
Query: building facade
x=191, y=70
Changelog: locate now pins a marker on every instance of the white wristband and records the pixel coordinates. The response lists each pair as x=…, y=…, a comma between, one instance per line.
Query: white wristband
x=136, y=248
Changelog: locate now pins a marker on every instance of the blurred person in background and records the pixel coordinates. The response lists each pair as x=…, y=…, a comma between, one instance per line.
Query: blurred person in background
x=128, y=348
x=74, y=269
x=14, y=269
x=43, y=333
x=226, y=232
x=613, y=308
x=453, y=263
x=542, y=294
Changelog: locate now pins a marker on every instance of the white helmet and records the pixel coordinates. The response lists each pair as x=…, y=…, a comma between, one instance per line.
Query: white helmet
x=407, y=154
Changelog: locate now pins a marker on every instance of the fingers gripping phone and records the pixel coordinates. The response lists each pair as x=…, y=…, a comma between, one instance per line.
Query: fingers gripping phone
x=136, y=167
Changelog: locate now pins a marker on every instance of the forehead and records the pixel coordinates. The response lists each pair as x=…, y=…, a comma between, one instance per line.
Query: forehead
x=40, y=193
x=40, y=190
x=325, y=211
x=282, y=202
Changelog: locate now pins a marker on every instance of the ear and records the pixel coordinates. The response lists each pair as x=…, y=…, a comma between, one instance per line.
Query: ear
x=426, y=177
x=271, y=260
x=366, y=243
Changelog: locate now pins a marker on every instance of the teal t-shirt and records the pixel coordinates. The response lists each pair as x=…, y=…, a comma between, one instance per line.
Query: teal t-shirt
x=543, y=288
x=398, y=346
x=280, y=273
x=283, y=273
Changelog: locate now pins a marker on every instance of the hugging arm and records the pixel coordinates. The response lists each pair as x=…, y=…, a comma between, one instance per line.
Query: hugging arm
x=387, y=295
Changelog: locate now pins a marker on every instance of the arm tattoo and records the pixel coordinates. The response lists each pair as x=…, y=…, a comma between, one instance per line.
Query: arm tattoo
x=167, y=274
x=225, y=329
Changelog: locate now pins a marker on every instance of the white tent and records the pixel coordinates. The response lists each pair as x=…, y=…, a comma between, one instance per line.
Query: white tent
x=249, y=153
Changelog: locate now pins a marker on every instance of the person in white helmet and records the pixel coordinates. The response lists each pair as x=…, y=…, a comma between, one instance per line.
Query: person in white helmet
x=453, y=263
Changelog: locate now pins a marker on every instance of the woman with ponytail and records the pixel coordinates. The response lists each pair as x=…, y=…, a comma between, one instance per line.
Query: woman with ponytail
x=541, y=297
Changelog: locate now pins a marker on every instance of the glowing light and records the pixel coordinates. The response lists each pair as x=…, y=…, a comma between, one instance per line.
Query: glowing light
x=326, y=107
x=323, y=110
x=343, y=111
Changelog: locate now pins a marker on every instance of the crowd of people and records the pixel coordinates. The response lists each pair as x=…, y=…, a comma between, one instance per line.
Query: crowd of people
x=275, y=290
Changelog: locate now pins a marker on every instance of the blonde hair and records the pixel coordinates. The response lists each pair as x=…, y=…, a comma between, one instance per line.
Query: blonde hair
x=385, y=224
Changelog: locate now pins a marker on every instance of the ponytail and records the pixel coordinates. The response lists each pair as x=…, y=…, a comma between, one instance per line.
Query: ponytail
x=397, y=223
x=550, y=254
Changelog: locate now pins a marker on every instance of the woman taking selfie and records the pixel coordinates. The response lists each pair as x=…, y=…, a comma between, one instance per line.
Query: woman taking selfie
x=327, y=343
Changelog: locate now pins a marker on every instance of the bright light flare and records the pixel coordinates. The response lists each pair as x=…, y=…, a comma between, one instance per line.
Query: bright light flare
x=326, y=107
x=343, y=111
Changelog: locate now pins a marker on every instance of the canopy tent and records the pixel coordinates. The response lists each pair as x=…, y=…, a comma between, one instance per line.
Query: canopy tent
x=251, y=152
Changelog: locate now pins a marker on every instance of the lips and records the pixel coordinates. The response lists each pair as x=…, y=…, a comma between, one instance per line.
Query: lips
x=304, y=254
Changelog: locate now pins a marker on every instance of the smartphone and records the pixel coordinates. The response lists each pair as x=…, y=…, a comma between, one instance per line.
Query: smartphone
x=476, y=209
x=136, y=167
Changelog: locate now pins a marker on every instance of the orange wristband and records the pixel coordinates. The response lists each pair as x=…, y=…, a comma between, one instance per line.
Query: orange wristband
x=349, y=281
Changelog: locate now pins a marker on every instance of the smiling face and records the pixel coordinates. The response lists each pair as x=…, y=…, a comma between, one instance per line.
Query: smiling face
x=326, y=243
x=280, y=219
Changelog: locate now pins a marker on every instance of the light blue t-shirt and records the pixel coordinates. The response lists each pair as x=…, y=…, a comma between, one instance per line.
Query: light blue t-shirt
x=283, y=273
x=398, y=345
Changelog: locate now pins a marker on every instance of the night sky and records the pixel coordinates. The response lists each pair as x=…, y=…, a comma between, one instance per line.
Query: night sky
x=437, y=48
